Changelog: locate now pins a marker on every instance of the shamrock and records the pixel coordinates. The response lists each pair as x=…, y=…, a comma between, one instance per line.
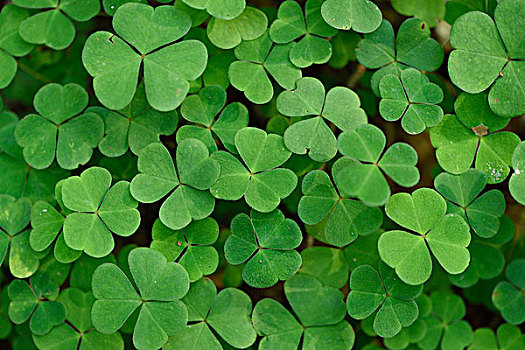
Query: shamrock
x=509, y=296
x=365, y=180
x=363, y=16
x=507, y=337
x=411, y=98
x=413, y=47
x=59, y=31
x=226, y=34
x=168, y=68
x=445, y=324
x=266, y=242
x=11, y=44
x=327, y=264
x=340, y=105
x=59, y=127
x=157, y=177
x=517, y=180
x=134, y=127
x=14, y=217
x=36, y=300
x=263, y=184
x=319, y=319
x=227, y=314
x=111, y=6
x=482, y=213
x=447, y=236
x=98, y=210
x=228, y=9
x=5, y=325
x=384, y=292
x=291, y=24
x=486, y=258
x=257, y=58
x=160, y=285
x=471, y=137
x=455, y=8
x=79, y=332
x=430, y=12
x=495, y=59
x=202, y=108
x=340, y=218
x=190, y=246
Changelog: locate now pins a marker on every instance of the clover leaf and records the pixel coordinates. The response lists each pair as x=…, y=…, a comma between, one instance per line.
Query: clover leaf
x=59, y=30
x=430, y=11
x=319, y=318
x=472, y=137
x=291, y=24
x=260, y=181
x=14, y=217
x=111, y=6
x=80, y=331
x=11, y=44
x=486, y=258
x=482, y=213
x=202, y=108
x=226, y=34
x=5, y=325
x=363, y=178
x=340, y=106
x=190, y=246
x=157, y=177
x=341, y=219
x=257, y=58
x=114, y=61
x=384, y=292
x=266, y=242
x=134, y=127
x=363, y=16
x=446, y=236
x=508, y=296
x=517, y=180
x=226, y=313
x=494, y=59
x=98, y=210
x=413, y=47
x=445, y=324
x=59, y=128
x=456, y=8
x=160, y=285
x=411, y=98
x=228, y=9
x=36, y=300
x=507, y=337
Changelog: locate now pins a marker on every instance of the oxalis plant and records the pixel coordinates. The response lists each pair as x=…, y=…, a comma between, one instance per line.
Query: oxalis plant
x=262, y=174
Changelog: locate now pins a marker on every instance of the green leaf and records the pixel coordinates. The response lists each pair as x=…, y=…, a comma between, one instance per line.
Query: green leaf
x=98, y=211
x=340, y=105
x=360, y=15
x=266, y=242
x=482, y=213
x=447, y=236
x=36, y=301
x=59, y=34
x=58, y=128
x=413, y=47
x=191, y=246
x=161, y=313
x=328, y=265
x=157, y=177
x=47, y=223
x=508, y=337
x=228, y=9
x=508, y=296
x=363, y=178
x=430, y=12
x=133, y=127
x=342, y=219
x=496, y=54
x=517, y=180
x=413, y=99
x=226, y=34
